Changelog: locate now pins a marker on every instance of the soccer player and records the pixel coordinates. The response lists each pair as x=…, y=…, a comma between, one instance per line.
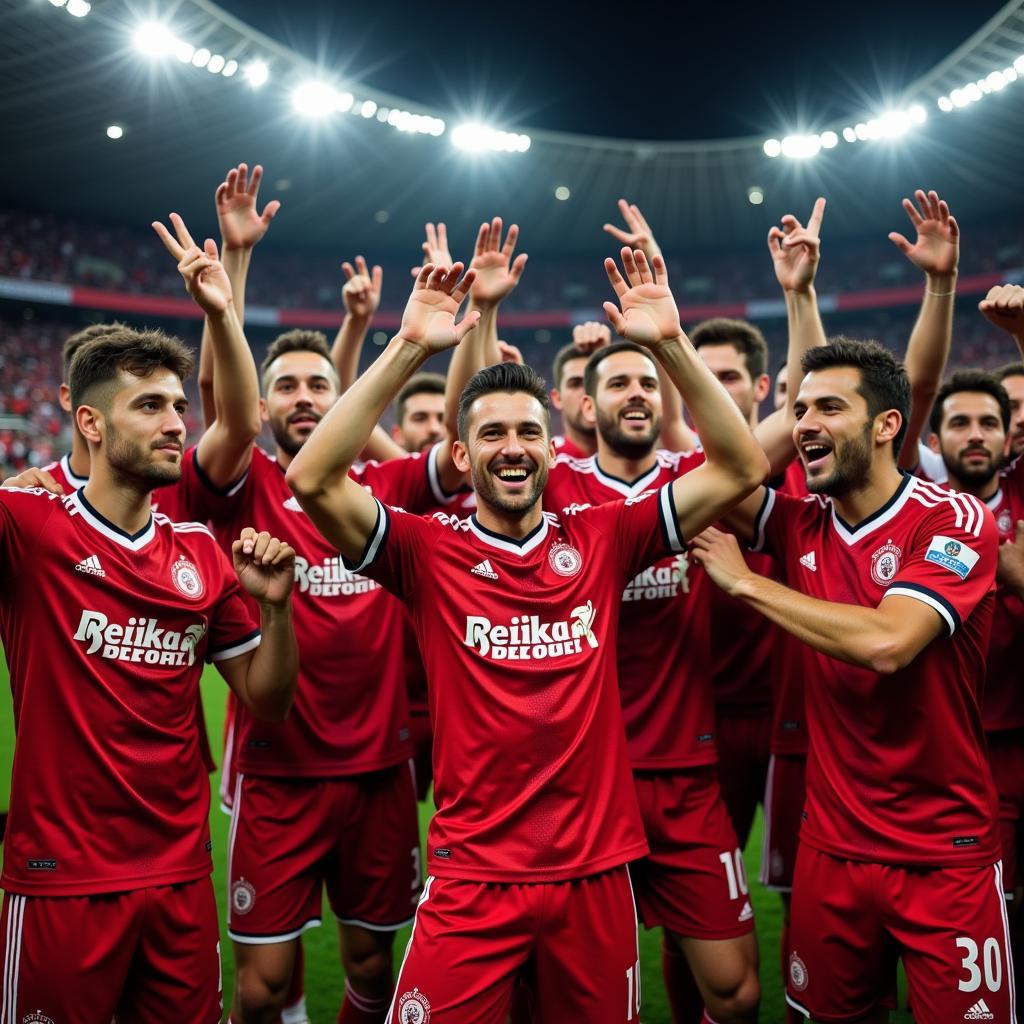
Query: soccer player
x=516, y=614
x=892, y=586
x=419, y=413
x=109, y=612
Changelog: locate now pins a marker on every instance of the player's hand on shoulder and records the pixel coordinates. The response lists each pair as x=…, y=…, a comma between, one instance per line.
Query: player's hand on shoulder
x=265, y=566
x=34, y=478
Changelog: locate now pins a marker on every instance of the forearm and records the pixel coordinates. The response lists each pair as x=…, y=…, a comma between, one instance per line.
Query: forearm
x=806, y=331
x=236, y=264
x=271, y=677
x=340, y=437
x=348, y=347
x=480, y=349
x=236, y=389
x=675, y=434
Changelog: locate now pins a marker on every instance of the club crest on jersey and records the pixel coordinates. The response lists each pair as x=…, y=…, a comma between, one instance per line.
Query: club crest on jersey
x=185, y=577
x=1005, y=522
x=141, y=640
x=565, y=559
x=36, y=1017
x=413, y=1008
x=526, y=638
x=885, y=563
x=243, y=896
x=951, y=554
x=797, y=973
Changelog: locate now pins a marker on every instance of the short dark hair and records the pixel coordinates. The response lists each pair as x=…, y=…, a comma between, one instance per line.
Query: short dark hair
x=509, y=378
x=883, y=378
x=1009, y=370
x=563, y=356
x=971, y=380
x=598, y=357
x=298, y=340
x=418, y=384
x=99, y=361
x=79, y=338
x=743, y=336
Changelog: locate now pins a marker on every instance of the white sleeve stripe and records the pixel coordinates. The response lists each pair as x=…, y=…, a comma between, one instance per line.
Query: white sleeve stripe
x=925, y=598
x=249, y=644
x=762, y=518
x=434, y=478
x=380, y=529
x=669, y=519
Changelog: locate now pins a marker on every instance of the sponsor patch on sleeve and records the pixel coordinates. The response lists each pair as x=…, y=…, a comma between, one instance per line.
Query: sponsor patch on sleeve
x=951, y=554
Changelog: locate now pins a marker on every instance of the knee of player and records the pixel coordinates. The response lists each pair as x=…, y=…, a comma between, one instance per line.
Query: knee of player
x=739, y=1002
x=368, y=966
x=256, y=993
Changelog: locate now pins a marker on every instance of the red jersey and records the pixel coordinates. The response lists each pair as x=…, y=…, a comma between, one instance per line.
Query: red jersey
x=350, y=713
x=62, y=472
x=532, y=776
x=563, y=446
x=105, y=636
x=897, y=770
x=664, y=652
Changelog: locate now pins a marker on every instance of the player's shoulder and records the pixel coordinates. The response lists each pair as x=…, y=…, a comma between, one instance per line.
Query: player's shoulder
x=1012, y=477
x=567, y=462
x=28, y=500
x=184, y=530
x=936, y=506
x=679, y=462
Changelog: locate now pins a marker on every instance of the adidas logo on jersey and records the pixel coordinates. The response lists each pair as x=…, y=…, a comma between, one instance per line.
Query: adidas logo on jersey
x=526, y=638
x=141, y=640
x=330, y=578
x=979, y=1011
x=747, y=912
x=484, y=569
x=809, y=561
x=90, y=566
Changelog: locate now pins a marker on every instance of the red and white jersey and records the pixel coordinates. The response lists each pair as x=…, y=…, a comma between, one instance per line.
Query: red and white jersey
x=105, y=636
x=664, y=653
x=532, y=776
x=897, y=770
x=62, y=472
x=351, y=714
x=564, y=446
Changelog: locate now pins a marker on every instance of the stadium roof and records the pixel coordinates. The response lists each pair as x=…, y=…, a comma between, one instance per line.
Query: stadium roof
x=718, y=86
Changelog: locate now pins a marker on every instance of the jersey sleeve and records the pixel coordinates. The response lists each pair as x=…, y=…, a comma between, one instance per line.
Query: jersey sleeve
x=196, y=498
x=412, y=483
x=24, y=513
x=645, y=528
x=395, y=549
x=952, y=562
x=233, y=629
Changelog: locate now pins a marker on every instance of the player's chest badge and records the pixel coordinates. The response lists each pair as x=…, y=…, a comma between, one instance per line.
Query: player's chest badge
x=1004, y=523
x=565, y=559
x=186, y=579
x=885, y=563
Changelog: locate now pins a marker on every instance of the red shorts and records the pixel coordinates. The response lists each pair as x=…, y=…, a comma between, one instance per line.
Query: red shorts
x=359, y=835
x=850, y=921
x=423, y=749
x=1006, y=759
x=783, y=810
x=693, y=881
x=743, y=753
x=150, y=956
x=472, y=939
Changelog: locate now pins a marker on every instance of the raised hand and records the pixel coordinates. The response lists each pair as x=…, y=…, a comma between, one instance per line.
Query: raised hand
x=510, y=353
x=205, y=278
x=429, y=317
x=649, y=314
x=1004, y=306
x=496, y=272
x=435, y=249
x=361, y=292
x=937, y=248
x=796, y=250
x=590, y=336
x=265, y=566
x=241, y=227
x=639, y=234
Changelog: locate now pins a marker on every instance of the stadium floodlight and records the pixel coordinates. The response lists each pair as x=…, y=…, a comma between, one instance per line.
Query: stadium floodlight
x=996, y=81
x=945, y=104
x=1010, y=74
x=345, y=101
x=918, y=114
x=801, y=147
x=256, y=73
x=755, y=195
x=216, y=65
x=861, y=131
x=230, y=68
x=973, y=92
x=201, y=57
x=319, y=99
x=183, y=51
x=772, y=148
x=115, y=131
x=1019, y=64
x=829, y=140
x=154, y=39
x=78, y=8
x=480, y=138
x=562, y=193
x=368, y=108
x=849, y=134
x=58, y=3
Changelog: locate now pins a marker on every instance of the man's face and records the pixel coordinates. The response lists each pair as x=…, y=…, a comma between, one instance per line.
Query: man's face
x=781, y=384
x=626, y=406
x=422, y=422
x=143, y=434
x=834, y=434
x=300, y=389
x=568, y=396
x=729, y=365
x=971, y=438
x=1015, y=389
x=507, y=450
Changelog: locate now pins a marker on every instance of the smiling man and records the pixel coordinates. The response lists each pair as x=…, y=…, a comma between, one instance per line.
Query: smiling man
x=893, y=591
x=516, y=614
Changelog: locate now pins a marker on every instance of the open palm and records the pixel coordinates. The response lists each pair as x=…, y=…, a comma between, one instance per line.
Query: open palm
x=429, y=317
x=937, y=249
x=647, y=313
x=240, y=224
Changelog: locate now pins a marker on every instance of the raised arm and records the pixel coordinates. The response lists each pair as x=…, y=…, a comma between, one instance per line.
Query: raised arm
x=1004, y=307
x=361, y=296
x=936, y=252
x=318, y=475
x=226, y=445
x=735, y=464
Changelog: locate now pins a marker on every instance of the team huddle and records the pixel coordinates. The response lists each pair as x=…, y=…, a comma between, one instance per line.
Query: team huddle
x=603, y=649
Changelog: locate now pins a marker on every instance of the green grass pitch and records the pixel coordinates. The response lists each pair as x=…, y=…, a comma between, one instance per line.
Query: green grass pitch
x=324, y=979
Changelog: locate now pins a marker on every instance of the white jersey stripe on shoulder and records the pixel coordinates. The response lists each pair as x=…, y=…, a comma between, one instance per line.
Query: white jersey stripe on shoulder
x=969, y=513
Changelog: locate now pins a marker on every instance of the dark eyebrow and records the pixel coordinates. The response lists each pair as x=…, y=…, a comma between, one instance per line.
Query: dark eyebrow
x=157, y=396
x=497, y=425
